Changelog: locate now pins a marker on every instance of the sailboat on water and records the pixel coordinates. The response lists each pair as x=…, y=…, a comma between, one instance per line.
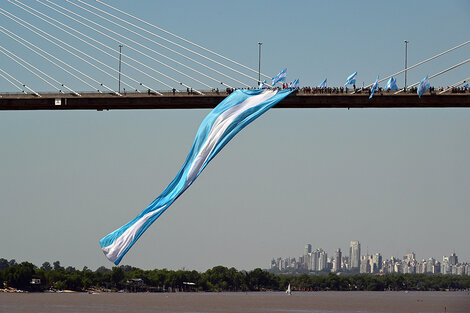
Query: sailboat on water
x=288, y=291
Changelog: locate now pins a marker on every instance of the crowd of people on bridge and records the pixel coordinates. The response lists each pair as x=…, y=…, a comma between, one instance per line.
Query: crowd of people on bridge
x=362, y=90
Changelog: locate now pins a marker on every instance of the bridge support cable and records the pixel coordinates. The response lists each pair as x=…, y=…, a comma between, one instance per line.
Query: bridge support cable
x=136, y=43
x=437, y=74
x=23, y=85
x=105, y=52
x=35, y=50
x=12, y=83
x=422, y=62
x=88, y=37
x=7, y=52
x=130, y=47
x=24, y=23
x=455, y=85
x=169, y=41
x=181, y=38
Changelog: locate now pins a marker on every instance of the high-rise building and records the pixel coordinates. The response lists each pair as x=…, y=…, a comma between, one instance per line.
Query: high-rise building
x=453, y=259
x=345, y=262
x=365, y=266
x=445, y=265
x=409, y=257
x=430, y=265
x=337, y=261
x=322, y=260
x=308, y=249
x=376, y=263
x=355, y=255
x=314, y=260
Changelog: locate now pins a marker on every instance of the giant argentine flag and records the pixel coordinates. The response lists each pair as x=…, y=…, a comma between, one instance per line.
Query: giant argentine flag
x=232, y=115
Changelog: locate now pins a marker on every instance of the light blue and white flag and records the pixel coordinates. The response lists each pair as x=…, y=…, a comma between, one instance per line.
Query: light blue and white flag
x=374, y=87
x=391, y=84
x=280, y=77
x=423, y=86
x=465, y=86
x=294, y=84
x=227, y=119
x=323, y=84
x=263, y=85
x=351, y=80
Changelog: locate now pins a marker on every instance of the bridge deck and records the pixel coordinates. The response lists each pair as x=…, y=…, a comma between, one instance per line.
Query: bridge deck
x=101, y=102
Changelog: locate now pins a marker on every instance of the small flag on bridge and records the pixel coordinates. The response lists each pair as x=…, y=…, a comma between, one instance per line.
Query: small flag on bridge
x=280, y=77
x=374, y=87
x=294, y=84
x=263, y=85
x=391, y=84
x=423, y=86
x=351, y=80
x=323, y=84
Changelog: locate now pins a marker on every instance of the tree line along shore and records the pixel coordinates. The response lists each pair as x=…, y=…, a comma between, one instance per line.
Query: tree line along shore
x=28, y=277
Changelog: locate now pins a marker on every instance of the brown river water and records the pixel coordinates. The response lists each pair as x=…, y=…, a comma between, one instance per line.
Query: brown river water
x=252, y=302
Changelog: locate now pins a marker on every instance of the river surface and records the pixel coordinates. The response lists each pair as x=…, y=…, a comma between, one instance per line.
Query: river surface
x=252, y=302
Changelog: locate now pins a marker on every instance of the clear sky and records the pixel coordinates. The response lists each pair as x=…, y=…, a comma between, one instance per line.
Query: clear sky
x=396, y=180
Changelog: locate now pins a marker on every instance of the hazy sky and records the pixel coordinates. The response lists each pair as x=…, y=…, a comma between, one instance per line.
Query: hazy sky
x=397, y=180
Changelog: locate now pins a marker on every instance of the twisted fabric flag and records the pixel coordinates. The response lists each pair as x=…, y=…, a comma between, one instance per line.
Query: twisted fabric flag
x=323, y=84
x=280, y=77
x=391, y=84
x=229, y=117
x=351, y=80
x=423, y=86
x=374, y=87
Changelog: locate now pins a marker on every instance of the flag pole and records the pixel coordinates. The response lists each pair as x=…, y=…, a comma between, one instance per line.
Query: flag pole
x=422, y=62
x=406, y=62
x=259, y=63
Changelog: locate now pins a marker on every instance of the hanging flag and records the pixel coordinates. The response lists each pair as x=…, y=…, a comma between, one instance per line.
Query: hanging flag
x=351, y=80
x=294, y=84
x=280, y=77
x=423, y=86
x=227, y=119
x=391, y=84
x=323, y=84
x=374, y=87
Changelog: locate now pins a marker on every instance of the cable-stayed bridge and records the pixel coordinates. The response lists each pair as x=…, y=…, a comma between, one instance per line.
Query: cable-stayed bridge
x=124, y=62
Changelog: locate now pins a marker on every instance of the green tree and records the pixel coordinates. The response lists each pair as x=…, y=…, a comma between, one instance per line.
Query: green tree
x=19, y=276
x=46, y=266
x=117, y=275
x=57, y=266
x=4, y=264
x=103, y=270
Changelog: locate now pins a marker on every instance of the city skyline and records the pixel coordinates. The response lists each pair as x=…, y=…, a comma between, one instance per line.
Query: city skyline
x=317, y=260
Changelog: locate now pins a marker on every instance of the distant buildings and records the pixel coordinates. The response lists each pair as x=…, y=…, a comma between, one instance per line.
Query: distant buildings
x=354, y=255
x=337, y=263
x=317, y=261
